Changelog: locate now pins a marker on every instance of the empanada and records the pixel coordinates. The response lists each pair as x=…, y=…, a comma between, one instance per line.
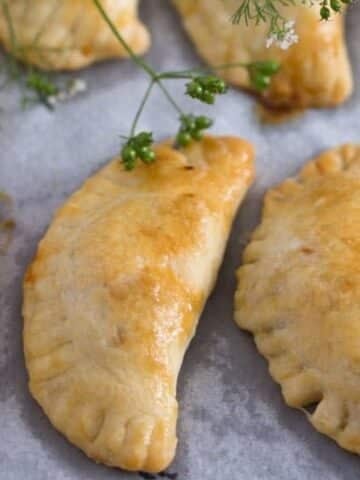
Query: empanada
x=315, y=72
x=69, y=34
x=114, y=294
x=299, y=291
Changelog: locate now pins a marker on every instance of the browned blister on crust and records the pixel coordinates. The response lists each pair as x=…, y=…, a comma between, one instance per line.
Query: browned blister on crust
x=315, y=72
x=69, y=34
x=113, y=296
x=299, y=291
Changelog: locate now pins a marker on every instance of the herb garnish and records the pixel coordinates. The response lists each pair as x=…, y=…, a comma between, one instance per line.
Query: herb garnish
x=200, y=85
x=37, y=86
x=282, y=29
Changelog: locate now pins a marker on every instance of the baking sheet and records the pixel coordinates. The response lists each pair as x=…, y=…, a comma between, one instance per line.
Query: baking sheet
x=233, y=423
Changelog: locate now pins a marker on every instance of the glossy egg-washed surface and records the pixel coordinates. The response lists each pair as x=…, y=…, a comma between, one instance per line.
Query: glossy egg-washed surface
x=69, y=34
x=299, y=291
x=314, y=72
x=113, y=296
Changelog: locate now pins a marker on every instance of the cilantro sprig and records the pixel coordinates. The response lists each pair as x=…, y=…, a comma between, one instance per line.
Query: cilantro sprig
x=36, y=86
x=199, y=84
x=203, y=86
x=270, y=12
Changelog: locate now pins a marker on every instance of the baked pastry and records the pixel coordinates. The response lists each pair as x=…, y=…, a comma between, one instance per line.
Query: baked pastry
x=69, y=34
x=315, y=72
x=114, y=294
x=299, y=291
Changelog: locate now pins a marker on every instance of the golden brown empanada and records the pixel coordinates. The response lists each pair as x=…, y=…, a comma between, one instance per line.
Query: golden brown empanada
x=114, y=294
x=299, y=291
x=69, y=34
x=315, y=72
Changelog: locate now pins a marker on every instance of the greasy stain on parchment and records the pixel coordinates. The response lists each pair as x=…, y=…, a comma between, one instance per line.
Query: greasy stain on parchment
x=275, y=116
x=7, y=223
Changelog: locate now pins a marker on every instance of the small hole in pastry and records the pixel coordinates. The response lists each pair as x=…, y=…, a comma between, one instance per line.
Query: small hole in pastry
x=311, y=402
x=344, y=419
x=189, y=167
x=307, y=250
x=118, y=337
x=266, y=330
x=86, y=50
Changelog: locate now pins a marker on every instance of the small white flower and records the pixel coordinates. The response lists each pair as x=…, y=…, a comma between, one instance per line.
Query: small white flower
x=270, y=40
x=52, y=100
x=78, y=85
x=289, y=25
x=75, y=86
x=283, y=38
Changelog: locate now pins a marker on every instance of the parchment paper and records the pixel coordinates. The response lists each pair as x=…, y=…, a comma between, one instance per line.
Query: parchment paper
x=233, y=422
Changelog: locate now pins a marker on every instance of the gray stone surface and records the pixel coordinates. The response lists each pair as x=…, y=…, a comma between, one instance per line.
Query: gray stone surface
x=233, y=423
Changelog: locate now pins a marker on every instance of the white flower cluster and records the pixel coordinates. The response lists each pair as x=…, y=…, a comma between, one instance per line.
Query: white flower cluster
x=74, y=87
x=284, y=38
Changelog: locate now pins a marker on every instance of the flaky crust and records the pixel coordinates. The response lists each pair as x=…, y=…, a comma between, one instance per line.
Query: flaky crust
x=113, y=297
x=314, y=72
x=70, y=34
x=299, y=291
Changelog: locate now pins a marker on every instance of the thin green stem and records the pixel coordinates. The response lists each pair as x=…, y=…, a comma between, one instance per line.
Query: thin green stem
x=225, y=66
x=7, y=14
x=184, y=74
x=46, y=22
x=125, y=45
x=13, y=65
x=141, y=108
x=169, y=97
x=156, y=77
x=38, y=48
x=177, y=76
